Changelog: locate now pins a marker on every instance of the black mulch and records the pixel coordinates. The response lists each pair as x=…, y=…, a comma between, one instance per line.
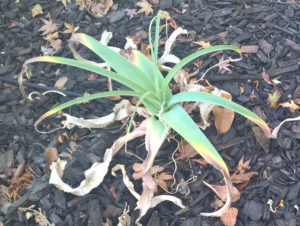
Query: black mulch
x=272, y=25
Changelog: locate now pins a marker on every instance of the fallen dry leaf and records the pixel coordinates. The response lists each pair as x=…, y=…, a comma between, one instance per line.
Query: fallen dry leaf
x=229, y=217
x=48, y=27
x=93, y=176
x=241, y=178
x=59, y=84
x=64, y=2
x=138, y=167
x=51, y=156
x=36, y=10
x=70, y=28
x=221, y=192
x=51, y=37
x=291, y=105
x=266, y=77
x=161, y=180
x=243, y=166
x=250, y=49
x=261, y=138
x=186, y=150
x=131, y=13
x=223, y=118
x=145, y=7
x=224, y=65
x=203, y=44
x=273, y=98
x=56, y=44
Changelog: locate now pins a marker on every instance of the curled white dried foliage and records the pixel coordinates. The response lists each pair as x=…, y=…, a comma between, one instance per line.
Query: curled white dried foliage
x=121, y=111
x=130, y=44
x=95, y=174
x=126, y=180
x=167, y=57
x=154, y=200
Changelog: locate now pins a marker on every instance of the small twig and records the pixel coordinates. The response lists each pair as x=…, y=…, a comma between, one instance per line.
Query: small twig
x=217, y=65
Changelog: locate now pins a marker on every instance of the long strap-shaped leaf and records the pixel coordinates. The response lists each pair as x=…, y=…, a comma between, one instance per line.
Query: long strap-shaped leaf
x=119, y=63
x=192, y=57
x=146, y=65
x=81, y=100
x=156, y=133
x=182, y=123
x=132, y=84
x=213, y=99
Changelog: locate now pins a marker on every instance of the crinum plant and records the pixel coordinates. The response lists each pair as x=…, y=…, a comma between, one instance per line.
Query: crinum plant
x=145, y=81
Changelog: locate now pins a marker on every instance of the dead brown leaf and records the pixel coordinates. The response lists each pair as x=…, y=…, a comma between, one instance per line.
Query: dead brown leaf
x=51, y=156
x=223, y=118
x=36, y=10
x=261, y=138
x=161, y=180
x=137, y=168
x=186, y=150
x=70, y=28
x=97, y=9
x=229, y=217
x=266, y=77
x=56, y=44
x=291, y=105
x=221, y=192
x=48, y=27
x=243, y=166
x=241, y=178
x=145, y=49
x=250, y=49
x=51, y=37
x=131, y=13
x=145, y=7
x=59, y=84
x=203, y=44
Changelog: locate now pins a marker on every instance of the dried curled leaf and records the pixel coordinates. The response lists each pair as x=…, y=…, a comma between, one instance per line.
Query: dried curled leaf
x=229, y=217
x=48, y=27
x=36, y=10
x=145, y=7
x=221, y=192
x=93, y=176
x=291, y=105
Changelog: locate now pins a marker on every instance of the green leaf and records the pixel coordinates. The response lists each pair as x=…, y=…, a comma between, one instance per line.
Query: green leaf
x=132, y=84
x=88, y=98
x=213, y=99
x=182, y=123
x=119, y=63
x=190, y=58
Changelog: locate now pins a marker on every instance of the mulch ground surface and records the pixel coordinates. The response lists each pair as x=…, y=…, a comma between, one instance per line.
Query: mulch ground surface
x=272, y=30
